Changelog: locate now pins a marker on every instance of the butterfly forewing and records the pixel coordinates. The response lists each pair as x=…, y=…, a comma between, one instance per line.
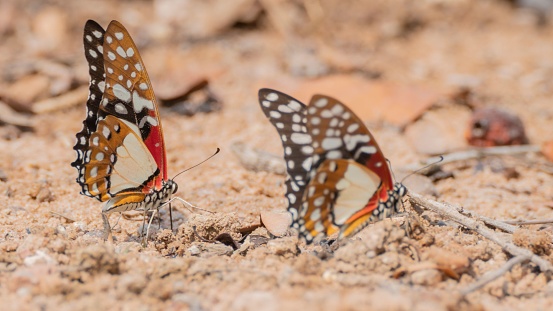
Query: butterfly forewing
x=288, y=115
x=129, y=94
x=93, y=40
x=339, y=134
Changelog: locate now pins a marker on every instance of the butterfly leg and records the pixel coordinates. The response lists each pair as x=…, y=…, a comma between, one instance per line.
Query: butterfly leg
x=171, y=217
x=148, y=228
x=107, y=228
x=159, y=217
x=143, y=242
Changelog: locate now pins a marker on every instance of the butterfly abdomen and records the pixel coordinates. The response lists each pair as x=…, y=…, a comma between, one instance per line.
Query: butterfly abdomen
x=141, y=201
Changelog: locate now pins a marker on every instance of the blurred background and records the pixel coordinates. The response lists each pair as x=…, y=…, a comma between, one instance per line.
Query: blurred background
x=394, y=62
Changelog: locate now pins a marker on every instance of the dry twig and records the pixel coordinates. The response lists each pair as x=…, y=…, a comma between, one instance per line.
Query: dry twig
x=476, y=153
x=69, y=219
x=10, y=116
x=529, y=222
x=492, y=275
x=450, y=211
x=61, y=102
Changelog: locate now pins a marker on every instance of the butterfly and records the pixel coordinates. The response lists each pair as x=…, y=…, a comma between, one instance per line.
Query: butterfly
x=120, y=150
x=338, y=179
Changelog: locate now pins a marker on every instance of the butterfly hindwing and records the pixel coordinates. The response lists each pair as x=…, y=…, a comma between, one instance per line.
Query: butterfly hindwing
x=340, y=195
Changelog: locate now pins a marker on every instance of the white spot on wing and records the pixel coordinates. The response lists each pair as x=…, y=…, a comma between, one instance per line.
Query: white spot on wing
x=275, y=114
x=353, y=140
x=148, y=119
x=92, y=53
x=300, y=138
x=121, y=52
x=337, y=109
x=353, y=127
x=140, y=103
x=321, y=102
x=366, y=150
x=319, y=201
x=331, y=143
x=97, y=34
x=272, y=96
x=130, y=52
x=122, y=93
x=285, y=109
x=105, y=132
x=120, y=108
x=143, y=86
x=334, y=154
x=111, y=56
x=295, y=105
x=307, y=164
x=119, y=35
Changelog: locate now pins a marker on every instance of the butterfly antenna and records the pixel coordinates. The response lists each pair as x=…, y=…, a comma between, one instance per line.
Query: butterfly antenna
x=423, y=168
x=211, y=156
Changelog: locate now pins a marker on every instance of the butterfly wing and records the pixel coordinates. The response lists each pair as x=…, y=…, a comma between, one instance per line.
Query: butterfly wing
x=288, y=116
x=342, y=197
x=93, y=40
x=339, y=134
x=350, y=179
x=129, y=94
x=123, y=152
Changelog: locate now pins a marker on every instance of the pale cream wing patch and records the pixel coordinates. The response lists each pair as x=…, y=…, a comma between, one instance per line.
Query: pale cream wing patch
x=118, y=160
x=134, y=164
x=346, y=183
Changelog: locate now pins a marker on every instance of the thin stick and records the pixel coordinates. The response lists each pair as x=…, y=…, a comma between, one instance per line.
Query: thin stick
x=476, y=153
x=64, y=101
x=70, y=220
x=492, y=222
x=529, y=222
x=492, y=275
x=450, y=211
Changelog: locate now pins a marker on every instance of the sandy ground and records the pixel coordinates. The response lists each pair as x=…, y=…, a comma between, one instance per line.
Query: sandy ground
x=52, y=256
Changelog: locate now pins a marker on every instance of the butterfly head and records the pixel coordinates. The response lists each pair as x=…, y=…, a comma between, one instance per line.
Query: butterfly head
x=398, y=193
x=171, y=186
